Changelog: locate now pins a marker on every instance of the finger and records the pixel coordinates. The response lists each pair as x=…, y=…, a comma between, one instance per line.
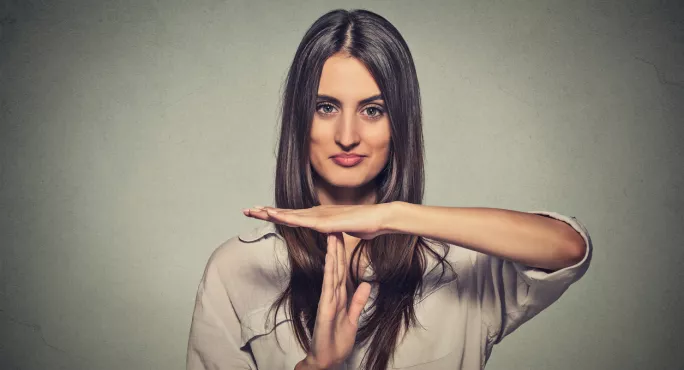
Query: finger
x=358, y=303
x=266, y=215
x=327, y=290
x=284, y=210
x=280, y=221
x=340, y=259
x=256, y=209
x=333, y=267
x=255, y=213
x=326, y=310
x=290, y=219
x=342, y=263
x=336, y=277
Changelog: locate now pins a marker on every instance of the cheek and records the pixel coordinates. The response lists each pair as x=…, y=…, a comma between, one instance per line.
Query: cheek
x=380, y=142
x=317, y=144
x=384, y=153
x=320, y=133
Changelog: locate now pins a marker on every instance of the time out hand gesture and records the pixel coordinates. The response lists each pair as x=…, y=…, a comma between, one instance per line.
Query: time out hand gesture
x=336, y=325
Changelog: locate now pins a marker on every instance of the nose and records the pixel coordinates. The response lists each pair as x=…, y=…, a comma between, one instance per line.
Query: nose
x=346, y=133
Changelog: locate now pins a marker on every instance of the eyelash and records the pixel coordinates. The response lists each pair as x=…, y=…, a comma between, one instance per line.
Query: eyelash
x=380, y=110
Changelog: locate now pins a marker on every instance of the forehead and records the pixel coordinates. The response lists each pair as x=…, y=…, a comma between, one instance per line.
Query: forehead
x=346, y=78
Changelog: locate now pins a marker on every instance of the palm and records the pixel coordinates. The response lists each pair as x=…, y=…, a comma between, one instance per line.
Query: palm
x=336, y=325
x=361, y=221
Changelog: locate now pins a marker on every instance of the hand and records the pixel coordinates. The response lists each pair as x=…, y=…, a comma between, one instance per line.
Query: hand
x=361, y=221
x=336, y=326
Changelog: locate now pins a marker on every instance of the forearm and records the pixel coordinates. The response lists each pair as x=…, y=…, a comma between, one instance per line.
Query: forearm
x=527, y=238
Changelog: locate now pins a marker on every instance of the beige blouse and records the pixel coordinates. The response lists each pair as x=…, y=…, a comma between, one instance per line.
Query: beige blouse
x=463, y=318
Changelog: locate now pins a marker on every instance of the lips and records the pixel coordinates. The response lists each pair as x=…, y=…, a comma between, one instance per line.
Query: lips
x=347, y=160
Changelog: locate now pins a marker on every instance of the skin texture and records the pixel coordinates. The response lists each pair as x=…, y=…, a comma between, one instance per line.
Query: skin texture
x=348, y=128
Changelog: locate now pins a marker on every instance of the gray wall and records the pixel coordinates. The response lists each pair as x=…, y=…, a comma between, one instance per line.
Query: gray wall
x=132, y=133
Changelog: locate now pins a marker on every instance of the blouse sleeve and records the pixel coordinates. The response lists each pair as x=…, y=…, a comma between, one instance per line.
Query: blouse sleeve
x=512, y=293
x=215, y=329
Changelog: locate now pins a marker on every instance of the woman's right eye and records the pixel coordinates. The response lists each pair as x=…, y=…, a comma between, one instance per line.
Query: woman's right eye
x=325, y=108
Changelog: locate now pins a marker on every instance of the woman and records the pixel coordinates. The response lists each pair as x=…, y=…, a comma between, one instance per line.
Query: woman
x=374, y=279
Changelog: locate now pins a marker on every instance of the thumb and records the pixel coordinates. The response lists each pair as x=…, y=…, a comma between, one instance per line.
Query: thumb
x=358, y=302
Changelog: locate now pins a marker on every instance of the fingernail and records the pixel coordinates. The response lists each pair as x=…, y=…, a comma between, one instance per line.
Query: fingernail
x=259, y=207
x=272, y=211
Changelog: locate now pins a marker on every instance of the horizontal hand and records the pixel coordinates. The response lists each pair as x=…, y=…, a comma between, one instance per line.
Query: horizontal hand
x=362, y=221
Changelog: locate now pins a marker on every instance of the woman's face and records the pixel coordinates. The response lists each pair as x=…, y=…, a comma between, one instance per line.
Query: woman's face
x=350, y=119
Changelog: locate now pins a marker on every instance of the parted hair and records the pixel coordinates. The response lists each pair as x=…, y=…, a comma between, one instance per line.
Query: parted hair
x=398, y=260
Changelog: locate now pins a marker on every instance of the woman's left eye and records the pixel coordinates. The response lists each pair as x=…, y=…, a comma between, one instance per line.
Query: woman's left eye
x=374, y=112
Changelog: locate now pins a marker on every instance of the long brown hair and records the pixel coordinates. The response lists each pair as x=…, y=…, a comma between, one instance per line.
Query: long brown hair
x=398, y=260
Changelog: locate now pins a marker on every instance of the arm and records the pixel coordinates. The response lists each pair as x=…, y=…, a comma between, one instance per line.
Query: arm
x=526, y=238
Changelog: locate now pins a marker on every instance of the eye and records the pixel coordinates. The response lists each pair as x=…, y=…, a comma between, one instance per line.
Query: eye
x=325, y=108
x=374, y=112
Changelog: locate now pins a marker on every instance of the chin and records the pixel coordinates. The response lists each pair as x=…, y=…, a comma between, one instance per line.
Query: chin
x=343, y=180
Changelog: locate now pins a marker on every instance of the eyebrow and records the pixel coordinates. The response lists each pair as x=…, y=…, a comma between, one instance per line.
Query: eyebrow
x=361, y=102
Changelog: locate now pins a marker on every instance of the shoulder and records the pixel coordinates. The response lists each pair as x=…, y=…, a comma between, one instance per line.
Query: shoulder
x=247, y=247
x=252, y=267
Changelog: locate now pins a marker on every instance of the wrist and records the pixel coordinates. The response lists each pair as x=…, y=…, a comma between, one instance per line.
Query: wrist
x=392, y=217
x=308, y=364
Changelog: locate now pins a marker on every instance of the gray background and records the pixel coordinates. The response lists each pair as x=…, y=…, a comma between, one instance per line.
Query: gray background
x=133, y=132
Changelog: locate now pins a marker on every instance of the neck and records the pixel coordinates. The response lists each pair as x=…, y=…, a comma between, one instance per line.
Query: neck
x=329, y=194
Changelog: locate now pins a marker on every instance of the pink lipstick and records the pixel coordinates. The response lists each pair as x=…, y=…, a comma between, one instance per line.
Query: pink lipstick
x=347, y=160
